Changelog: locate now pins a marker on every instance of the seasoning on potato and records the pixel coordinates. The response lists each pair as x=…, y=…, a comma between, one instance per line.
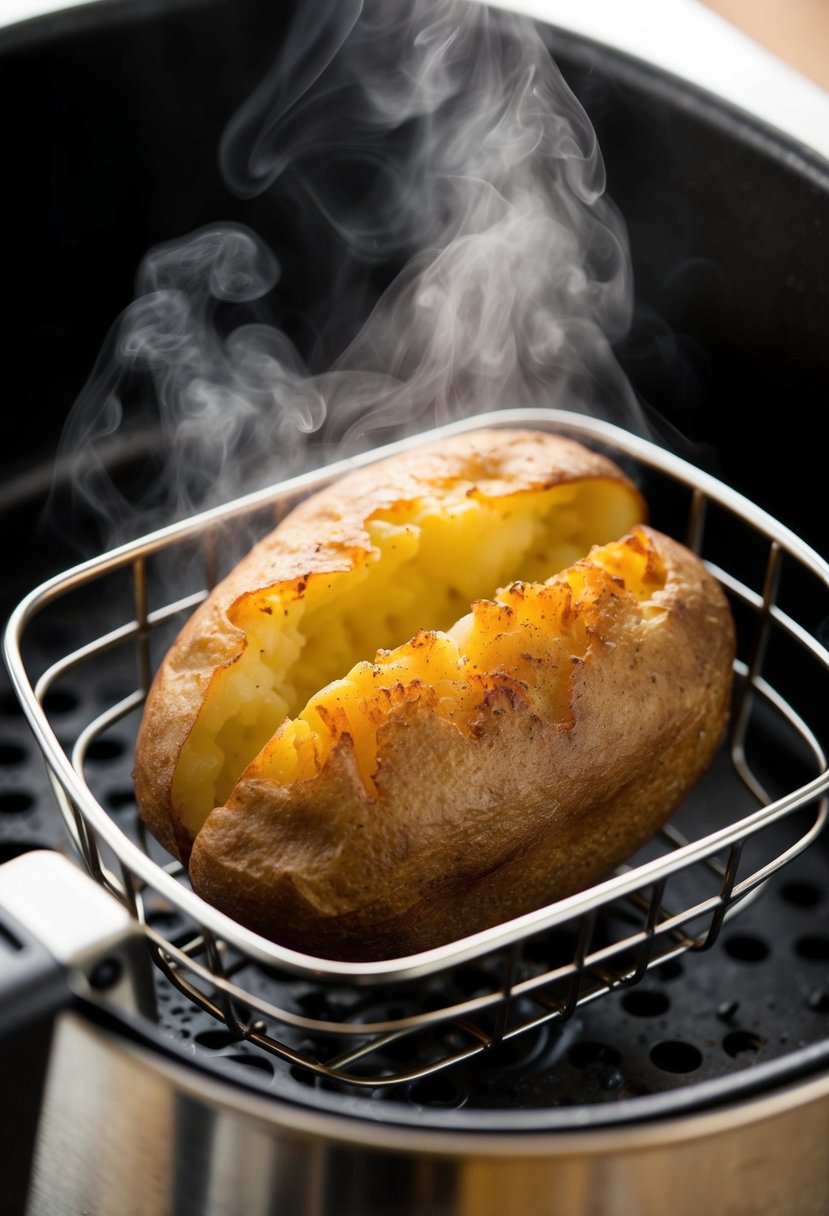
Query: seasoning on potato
x=450, y=688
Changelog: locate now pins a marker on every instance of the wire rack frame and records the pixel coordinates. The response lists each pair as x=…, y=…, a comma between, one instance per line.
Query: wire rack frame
x=219, y=965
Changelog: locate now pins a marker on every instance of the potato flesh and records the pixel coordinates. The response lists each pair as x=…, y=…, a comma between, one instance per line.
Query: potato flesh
x=529, y=637
x=428, y=560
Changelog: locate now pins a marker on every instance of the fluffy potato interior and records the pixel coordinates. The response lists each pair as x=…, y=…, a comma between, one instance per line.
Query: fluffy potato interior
x=425, y=562
x=527, y=638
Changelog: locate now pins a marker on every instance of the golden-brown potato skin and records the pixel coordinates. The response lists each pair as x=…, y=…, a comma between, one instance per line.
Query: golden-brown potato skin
x=469, y=828
x=324, y=534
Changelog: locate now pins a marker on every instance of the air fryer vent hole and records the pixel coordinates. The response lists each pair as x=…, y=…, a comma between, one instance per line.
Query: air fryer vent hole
x=439, y=1090
x=10, y=707
x=747, y=948
x=216, y=1039
x=15, y=802
x=671, y=970
x=162, y=920
x=119, y=799
x=11, y=753
x=801, y=894
x=742, y=1043
x=813, y=947
x=105, y=750
x=60, y=701
x=645, y=1003
x=261, y=1063
x=672, y=1055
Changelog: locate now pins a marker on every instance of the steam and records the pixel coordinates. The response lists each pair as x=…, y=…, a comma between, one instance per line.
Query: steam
x=439, y=178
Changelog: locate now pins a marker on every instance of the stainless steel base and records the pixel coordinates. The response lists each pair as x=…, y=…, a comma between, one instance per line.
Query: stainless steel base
x=150, y=1137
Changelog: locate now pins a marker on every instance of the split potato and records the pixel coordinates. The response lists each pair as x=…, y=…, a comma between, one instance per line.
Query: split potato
x=450, y=688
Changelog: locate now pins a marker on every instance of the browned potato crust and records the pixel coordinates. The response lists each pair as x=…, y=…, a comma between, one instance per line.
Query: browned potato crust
x=479, y=764
x=464, y=829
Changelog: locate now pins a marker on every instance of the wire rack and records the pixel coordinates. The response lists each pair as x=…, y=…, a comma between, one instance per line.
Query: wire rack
x=386, y=1023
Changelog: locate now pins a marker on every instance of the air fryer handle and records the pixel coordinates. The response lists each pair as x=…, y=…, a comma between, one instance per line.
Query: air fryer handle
x=62, y=936
x=33, y=983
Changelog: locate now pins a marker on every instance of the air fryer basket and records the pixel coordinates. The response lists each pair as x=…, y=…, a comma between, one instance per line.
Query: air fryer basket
x=384, y=1024
x=726, y=230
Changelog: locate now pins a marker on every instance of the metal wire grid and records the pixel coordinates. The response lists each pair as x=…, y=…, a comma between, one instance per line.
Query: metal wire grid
x=448, y=1004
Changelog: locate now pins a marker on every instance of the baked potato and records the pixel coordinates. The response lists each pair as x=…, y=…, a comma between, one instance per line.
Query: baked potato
x=363, y=748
